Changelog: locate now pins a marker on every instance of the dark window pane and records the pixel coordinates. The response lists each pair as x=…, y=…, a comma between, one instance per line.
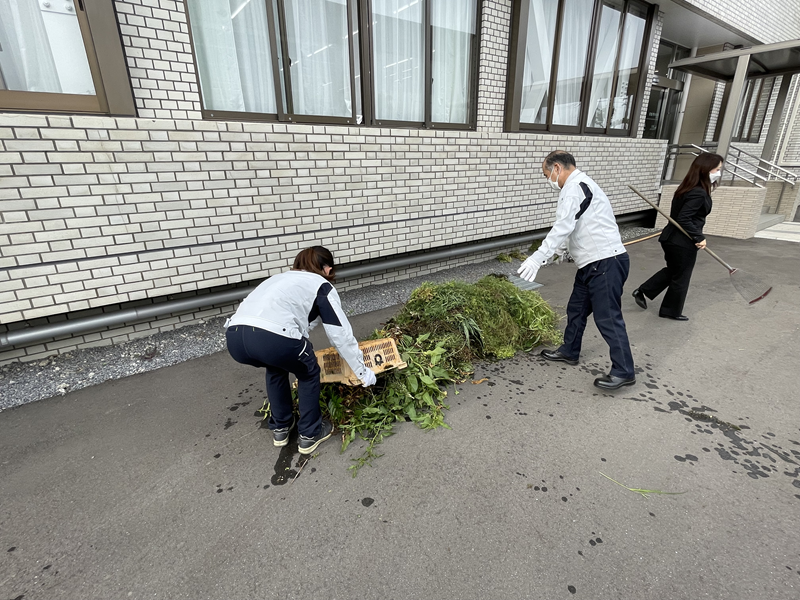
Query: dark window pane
x=761, y=109
x=752, y=99
x=664, y=57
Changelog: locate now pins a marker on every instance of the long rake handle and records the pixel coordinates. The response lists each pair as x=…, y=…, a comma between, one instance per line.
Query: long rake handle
x=671, y=220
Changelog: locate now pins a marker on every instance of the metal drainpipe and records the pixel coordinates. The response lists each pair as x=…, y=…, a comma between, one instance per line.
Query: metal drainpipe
x=37, y=334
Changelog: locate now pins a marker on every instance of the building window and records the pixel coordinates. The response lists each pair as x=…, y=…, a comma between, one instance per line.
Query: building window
x=576, y=65
x=298, y=60
x=62, y=56
x=753, y=111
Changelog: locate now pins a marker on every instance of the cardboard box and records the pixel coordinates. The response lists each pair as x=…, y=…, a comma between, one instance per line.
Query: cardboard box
x=379, y=355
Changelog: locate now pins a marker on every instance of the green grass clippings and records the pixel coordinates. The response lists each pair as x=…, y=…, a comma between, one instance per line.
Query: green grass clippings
x=439, y=332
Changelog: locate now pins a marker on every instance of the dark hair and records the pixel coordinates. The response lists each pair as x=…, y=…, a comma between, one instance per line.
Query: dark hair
x=562, y=157
x=314, y=260
x=698, y=173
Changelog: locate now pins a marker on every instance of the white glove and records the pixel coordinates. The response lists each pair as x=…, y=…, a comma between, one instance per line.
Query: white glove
x=530, y=267
x=369, y=378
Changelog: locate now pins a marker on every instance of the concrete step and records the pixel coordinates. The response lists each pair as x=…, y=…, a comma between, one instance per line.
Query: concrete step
x=767, y=220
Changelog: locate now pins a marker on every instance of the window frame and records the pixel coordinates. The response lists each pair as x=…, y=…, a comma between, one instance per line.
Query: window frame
x=516, y=64
x=102, y=42
x=362, y=11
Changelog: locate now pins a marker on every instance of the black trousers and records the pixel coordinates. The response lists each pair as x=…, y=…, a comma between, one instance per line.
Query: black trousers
x=674, y=278
x=598, y=290
x=280, y=356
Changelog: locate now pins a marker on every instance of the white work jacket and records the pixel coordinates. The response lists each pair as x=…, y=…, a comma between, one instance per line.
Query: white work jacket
x=585, y=224
x=292, y=303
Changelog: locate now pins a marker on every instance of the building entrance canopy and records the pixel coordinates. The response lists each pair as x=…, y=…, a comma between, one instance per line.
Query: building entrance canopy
x=734, y=67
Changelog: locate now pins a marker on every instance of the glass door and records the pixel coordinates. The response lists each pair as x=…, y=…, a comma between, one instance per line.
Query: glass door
x=665, y=93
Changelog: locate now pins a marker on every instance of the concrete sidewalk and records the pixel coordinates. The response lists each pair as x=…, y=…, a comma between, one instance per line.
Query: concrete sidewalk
x=787, y=231
x=163, y=485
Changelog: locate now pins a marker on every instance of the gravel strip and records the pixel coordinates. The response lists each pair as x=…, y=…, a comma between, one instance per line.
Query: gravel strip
x=21, y=383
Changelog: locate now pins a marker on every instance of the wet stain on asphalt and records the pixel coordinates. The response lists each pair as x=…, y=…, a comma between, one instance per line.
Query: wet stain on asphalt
x=284, y=472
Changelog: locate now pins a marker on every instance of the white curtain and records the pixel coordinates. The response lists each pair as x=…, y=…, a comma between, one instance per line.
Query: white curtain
x=572, y=55
x=399, y=57
x=316, y=32
x=608, y=39
x=538, y=60
x=26, y=58
x=453, y=23
x=231, y=38
x=628, y=78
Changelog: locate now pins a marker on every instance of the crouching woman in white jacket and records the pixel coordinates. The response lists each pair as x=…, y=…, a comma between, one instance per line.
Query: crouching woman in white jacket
x=270, y=329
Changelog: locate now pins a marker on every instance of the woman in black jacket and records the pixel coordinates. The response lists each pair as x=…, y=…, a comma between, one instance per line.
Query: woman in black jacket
x=690, y=206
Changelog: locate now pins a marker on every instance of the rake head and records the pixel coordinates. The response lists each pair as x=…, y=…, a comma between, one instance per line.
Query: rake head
x=750, y=287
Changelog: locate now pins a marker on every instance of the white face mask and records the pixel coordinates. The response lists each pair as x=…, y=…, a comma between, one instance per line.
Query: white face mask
x=715, y=177
x=554, y=184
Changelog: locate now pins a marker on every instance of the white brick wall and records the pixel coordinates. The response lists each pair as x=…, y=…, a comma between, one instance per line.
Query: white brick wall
x=767, y=20
x=139, y=208
x=97, y=212
x=791, y=141
x=735, y=212
x=158, y=49
x=493, y=64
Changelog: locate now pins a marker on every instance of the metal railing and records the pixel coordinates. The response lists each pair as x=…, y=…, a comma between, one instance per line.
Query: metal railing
x=764, y=169
x=739, y=165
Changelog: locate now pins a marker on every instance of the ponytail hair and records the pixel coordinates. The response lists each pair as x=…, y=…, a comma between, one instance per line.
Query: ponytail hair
x=314, y=260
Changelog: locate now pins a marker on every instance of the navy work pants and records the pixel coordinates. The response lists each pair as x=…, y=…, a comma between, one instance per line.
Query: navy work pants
x=598, y=290
x=280, y=356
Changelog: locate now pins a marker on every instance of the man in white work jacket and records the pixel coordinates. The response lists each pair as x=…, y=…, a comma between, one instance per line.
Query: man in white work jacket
x=585, y=226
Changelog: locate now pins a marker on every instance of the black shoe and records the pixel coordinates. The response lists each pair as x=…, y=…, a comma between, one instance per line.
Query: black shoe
x=678, y=318
x=557, y=356
x=612, y=382
x=280, y=436
x=640, y=299
x=307, y=445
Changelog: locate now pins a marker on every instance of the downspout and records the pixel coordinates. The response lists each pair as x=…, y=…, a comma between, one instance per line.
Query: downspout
x=78, y=326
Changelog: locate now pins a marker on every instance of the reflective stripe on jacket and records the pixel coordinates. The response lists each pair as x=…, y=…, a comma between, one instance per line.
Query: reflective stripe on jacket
x=292, y=303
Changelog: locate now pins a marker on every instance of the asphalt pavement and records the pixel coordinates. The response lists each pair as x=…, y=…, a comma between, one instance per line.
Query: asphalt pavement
x=163, y=484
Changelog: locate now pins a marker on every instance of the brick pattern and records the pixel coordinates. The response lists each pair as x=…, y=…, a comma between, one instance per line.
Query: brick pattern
x=121, y=334
x=493, y=64
x=100, y=211
x=784, y=134
x=735, y=212
x=714, y=112
x=768, y=21
x=791, y=141
x=781, y=199
x=155, y=37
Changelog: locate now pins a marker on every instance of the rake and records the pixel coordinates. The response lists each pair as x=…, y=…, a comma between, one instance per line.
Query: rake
x=750, y=287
